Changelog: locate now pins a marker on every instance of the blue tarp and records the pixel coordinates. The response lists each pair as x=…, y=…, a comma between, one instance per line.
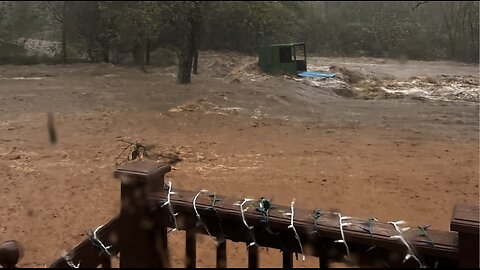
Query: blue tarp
x=316, y=74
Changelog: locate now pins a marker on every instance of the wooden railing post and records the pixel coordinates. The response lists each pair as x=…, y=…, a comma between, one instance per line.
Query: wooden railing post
x=138, y=237
x=287, y=259
x=190, y=248
x=465, y=221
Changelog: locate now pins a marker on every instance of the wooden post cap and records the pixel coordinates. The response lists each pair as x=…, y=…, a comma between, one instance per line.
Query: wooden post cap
x=465, y=219
x=10, y=253
x=146, y=169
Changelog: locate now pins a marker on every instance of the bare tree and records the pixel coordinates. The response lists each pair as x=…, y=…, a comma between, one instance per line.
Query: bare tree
x=419, y=3
x=61, y=18
x=460, y=20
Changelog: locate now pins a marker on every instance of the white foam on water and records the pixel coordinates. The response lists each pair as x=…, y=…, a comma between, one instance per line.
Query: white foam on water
x=25, y=78
x=453, y=91
x=443, y=93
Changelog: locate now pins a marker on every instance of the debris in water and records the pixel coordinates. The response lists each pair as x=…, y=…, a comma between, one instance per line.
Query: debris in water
x=51, y=129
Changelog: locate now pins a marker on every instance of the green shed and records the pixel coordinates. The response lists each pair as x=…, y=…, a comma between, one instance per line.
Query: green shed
x=283, y=58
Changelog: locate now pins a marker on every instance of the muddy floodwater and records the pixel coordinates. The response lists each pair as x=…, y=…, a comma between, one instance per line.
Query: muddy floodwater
x=385, y=139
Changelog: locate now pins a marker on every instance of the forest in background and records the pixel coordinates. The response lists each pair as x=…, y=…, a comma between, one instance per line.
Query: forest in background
x=114, y=31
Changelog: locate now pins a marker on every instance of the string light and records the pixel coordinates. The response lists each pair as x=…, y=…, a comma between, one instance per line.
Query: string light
x=342, y=224
x=242, y=211
x=170, y=207
x=97, y=242
x=68, y=259
x=198, y=214
x=400, y=237
x=291, y=226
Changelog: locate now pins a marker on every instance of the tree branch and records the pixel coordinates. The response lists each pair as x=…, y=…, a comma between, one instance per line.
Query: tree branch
x=419, y=3
x=55, y=15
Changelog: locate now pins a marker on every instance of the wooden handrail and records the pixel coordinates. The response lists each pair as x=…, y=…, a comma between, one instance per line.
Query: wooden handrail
x=139, y=233
x=90, y=255
x=445, y=242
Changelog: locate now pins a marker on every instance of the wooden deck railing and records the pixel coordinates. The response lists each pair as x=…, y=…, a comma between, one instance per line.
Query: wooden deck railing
x=139, y=234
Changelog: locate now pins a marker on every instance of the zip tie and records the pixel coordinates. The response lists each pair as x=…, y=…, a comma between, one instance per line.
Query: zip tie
x=317, y=213
x=221, y=234
x=170, y=207
x=368, y=228
x=400, y=231
x=423, y=232
x=264, y=207
x=198, y=214
x=242, y=211
x=214, y=200
x=291, y=226
x=340, y=220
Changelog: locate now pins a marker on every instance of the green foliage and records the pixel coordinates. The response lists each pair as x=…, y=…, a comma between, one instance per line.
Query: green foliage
x=9, y=50
x=244, y=26
x=163, y=57
x=97, y=30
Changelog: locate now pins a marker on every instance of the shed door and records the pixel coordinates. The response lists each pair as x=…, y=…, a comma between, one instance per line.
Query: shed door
x=285, y=54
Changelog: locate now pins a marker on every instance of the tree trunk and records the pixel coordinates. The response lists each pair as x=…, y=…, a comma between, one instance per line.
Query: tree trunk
x=190, y=46
x=91, y=54
x=64, y=33
x=186, y=56
x=185, y=66
x=147, y=53
x=195, y=62
x=138, y=53
x=117, y=53
x=105, y=46
x=105, y=54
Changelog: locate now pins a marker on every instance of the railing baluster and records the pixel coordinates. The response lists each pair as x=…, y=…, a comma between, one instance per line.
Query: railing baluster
x=222, y=255
x=253, y=256
x=323, y=262
x=287, y=259
x=161, y=234
x=191, y=248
